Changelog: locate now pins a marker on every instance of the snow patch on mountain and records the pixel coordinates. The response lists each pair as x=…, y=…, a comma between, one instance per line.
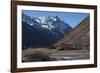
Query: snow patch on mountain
x=47, y=22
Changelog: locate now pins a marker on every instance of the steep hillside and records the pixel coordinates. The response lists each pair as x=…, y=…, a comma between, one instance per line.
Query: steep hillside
x=78, y=38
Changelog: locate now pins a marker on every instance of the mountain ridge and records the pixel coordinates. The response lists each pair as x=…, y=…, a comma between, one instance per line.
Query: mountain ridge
x=38, y=32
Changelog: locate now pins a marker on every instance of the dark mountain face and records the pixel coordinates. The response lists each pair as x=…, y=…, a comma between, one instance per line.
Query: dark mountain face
x=77, y=38
x=42, y=31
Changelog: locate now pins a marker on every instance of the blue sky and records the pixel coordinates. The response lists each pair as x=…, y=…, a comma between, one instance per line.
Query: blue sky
x=71, y=18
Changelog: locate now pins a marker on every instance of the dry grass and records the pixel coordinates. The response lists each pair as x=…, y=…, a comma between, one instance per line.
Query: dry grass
x=31, y=55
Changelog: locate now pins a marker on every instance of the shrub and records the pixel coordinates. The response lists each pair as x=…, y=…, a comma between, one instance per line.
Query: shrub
x=52, y=47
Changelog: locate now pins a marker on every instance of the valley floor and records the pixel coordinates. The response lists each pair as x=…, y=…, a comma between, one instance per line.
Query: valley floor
x=41, y=54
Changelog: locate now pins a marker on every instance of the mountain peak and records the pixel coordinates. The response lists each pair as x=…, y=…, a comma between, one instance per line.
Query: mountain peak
x=47, y=22
x=48, y=28
x=46, y=19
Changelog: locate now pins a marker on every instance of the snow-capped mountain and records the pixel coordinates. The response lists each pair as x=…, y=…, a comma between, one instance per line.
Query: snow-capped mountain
x=43, y=30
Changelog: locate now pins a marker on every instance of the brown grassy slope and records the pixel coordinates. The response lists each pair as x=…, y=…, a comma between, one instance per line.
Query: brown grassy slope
x=78, y=36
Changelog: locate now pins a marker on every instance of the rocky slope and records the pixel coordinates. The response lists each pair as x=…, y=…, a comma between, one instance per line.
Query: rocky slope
x=78, y=38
